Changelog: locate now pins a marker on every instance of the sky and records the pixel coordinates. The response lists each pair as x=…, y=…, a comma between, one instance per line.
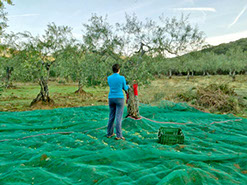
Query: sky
x=222, y=21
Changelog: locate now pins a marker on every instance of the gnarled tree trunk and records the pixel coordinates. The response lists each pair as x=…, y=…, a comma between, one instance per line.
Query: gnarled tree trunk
x=43, y=95
x=8, y=83
x=170, y=74
x=188, y=75
x=80, y=88
x=133, y=104
x=233, y=75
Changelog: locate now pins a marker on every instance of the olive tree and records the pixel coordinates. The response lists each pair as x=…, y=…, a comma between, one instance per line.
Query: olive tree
x=3, y=15
x=10, y=50
x=42, y=51
x=71, y=64
x=103, y=48
x=236, y=60
x=137, y=36
x=3, y=25
x=175, y=37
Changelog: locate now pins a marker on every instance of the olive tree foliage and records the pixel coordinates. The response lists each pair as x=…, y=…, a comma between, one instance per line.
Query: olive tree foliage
x=100, y=37
x=71, y=64
x=195, y=65
x=3, y=15
x=235, y=61
x=170, y=37
x=208, y=63
x=4, y=70
x=186, y=65
x=42, y=51
x=142, y=48
x=103, y=48
x=9, y=51
x=137, y=36
x=3, y=75
x=175, y=37
x=245, y=63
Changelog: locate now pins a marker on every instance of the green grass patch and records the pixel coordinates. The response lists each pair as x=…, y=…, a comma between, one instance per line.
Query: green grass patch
x=19, y=99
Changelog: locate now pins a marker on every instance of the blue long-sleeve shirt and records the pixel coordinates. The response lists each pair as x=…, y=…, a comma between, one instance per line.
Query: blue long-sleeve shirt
x=117, y=84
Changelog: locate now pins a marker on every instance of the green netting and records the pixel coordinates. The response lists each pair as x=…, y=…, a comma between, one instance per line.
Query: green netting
x=68, y=146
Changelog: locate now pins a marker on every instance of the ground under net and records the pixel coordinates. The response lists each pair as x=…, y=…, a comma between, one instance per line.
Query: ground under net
x=69, y=146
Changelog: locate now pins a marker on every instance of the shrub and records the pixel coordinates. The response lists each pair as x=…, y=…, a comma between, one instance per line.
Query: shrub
x=215, y=97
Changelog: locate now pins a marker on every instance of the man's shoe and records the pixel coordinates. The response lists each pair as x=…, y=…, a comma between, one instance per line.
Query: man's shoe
x=118, y=138
x=110, y=135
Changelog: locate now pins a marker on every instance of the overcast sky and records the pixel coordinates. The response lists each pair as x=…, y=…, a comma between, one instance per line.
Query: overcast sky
x=221, y=20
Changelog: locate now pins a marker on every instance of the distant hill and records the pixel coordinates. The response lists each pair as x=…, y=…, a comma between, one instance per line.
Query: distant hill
x=223, y=48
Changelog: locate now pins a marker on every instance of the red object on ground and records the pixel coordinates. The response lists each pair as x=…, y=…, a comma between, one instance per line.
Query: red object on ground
x=135, y=89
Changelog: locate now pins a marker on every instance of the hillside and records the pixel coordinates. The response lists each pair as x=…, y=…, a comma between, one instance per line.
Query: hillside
x=223, y=48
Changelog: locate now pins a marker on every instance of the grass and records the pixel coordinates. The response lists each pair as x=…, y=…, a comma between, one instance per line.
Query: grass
x=168, y=89
x=20, y=98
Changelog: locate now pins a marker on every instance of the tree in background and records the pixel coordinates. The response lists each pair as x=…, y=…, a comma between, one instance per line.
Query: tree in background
x=186, y=64
x=3, y=14
x=71, y=64
x=208, y=63
x=137, y=37
x=44, y=51
x=103, y=48
x=143, y=48
x=3, y=25
x=236, y=61
x=176, y=37
x=10, y=51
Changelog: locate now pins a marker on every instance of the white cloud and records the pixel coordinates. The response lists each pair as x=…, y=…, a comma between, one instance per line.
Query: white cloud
x=236, y=19
x=226, y=38
x=23, y=15
x=205, y=9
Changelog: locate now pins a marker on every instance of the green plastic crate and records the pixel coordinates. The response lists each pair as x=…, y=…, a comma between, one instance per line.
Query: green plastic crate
x=170, y=136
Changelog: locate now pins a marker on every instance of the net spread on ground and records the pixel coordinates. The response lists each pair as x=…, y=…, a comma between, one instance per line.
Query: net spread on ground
x=69, y=146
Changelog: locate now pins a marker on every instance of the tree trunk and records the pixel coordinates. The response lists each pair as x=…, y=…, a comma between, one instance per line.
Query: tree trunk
x=192, y=74
x=170, y=74
x=188, y=75
x=233, y=75
x=8, y=76
x=204, y=73
x=208, y=74
x=43, y=96
x=230, y=73
x=80, y=88
x=133, y=104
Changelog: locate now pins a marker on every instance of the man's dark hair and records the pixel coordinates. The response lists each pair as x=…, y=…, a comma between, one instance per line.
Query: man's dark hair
x=115, y=68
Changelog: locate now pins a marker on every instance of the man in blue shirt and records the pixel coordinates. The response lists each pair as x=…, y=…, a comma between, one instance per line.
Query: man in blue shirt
x=117, y=84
